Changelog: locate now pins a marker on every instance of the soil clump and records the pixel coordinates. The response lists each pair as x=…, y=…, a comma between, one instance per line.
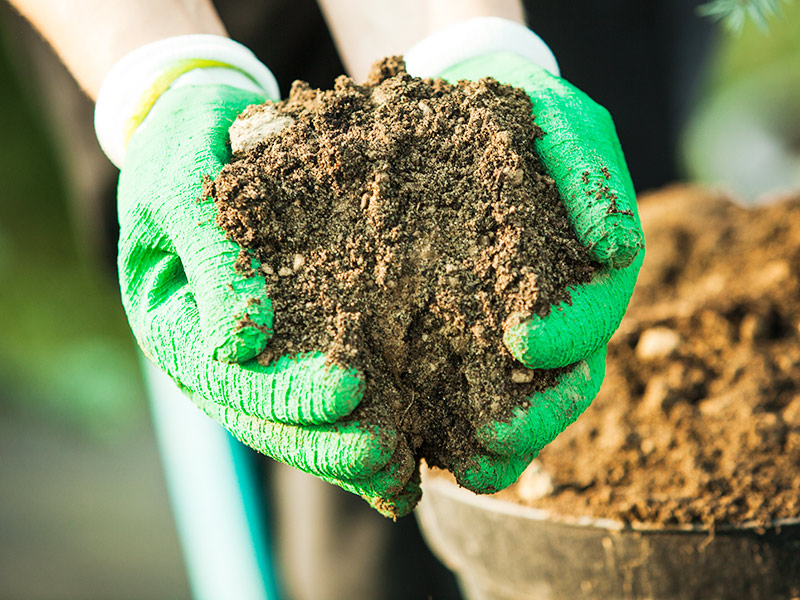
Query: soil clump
x=401, y=226
x=698, y=420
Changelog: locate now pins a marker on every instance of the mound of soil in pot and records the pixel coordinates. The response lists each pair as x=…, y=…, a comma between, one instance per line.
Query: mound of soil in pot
x=698, y=420
x=401, y=225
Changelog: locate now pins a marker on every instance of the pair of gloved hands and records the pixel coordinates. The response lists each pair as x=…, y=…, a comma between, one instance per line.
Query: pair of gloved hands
x=203, y=323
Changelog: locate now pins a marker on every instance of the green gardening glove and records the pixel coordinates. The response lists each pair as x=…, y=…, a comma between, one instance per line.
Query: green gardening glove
x=581, y=152
x=203, y=322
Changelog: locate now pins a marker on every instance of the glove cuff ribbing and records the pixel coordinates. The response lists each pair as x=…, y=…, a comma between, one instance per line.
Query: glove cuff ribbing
x=136, y=81
x=476, y=37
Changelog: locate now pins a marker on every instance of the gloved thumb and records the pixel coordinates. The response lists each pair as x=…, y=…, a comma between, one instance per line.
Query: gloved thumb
x=163, y=112
x=182, y=142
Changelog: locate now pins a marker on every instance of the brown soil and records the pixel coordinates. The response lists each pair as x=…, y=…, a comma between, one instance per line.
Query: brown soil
x=401, y=225
x=698, y=420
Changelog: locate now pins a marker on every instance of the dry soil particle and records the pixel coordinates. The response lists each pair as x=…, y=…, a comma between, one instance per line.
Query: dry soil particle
x=401, y=224
x=698, y=420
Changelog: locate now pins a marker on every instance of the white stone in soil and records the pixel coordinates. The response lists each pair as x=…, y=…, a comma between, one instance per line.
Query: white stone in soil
x=522, y=375
x=534, y=483
x=254, y=126
x=657, y=342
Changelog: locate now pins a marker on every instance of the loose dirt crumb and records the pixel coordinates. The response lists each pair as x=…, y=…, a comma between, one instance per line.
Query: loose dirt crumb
x=400, y=225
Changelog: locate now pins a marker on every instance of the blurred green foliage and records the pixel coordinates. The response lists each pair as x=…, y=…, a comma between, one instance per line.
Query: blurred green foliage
x=65, y=350
x=735, y=13
x=744, y=134
x=754, y=49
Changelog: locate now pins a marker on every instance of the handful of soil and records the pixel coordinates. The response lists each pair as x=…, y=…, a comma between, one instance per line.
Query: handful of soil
x=402, y=225
x=698, y=420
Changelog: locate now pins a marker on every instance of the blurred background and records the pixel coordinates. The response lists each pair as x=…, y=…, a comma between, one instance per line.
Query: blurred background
x=83, y=506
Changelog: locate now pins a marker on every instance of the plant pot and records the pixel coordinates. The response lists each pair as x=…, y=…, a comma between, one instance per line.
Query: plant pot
x=502, y=550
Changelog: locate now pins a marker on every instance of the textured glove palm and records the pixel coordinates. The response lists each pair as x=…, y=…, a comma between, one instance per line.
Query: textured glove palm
x=203, y=322
x=581, y=152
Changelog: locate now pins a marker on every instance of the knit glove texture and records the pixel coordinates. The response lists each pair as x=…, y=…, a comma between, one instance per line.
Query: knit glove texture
x=580, y=150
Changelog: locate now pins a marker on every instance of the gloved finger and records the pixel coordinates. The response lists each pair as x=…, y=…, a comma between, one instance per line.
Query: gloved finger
x=489, y=473
x=399, y=504
x=388, y=481
x=580, y=150
x=301, y=389
x=576, y=328
x=183, y=140
x=346, y=450
x=549, y=412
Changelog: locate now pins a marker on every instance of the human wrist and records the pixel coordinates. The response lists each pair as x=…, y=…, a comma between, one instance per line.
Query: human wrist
x=476, y=37
x=89, y=36
x=135, y=82
x=444, y=13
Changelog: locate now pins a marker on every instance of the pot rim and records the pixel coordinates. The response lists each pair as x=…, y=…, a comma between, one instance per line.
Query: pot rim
x=494, y=504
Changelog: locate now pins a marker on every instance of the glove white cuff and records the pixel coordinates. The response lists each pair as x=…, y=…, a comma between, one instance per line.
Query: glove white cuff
x=476, y=37
x=134, y=83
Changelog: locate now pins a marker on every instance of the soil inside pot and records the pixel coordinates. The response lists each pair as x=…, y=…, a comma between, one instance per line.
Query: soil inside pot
x=401, y=225
x=698, y=420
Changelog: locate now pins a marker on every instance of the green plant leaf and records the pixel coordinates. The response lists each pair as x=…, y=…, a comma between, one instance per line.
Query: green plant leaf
x=735, y=13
